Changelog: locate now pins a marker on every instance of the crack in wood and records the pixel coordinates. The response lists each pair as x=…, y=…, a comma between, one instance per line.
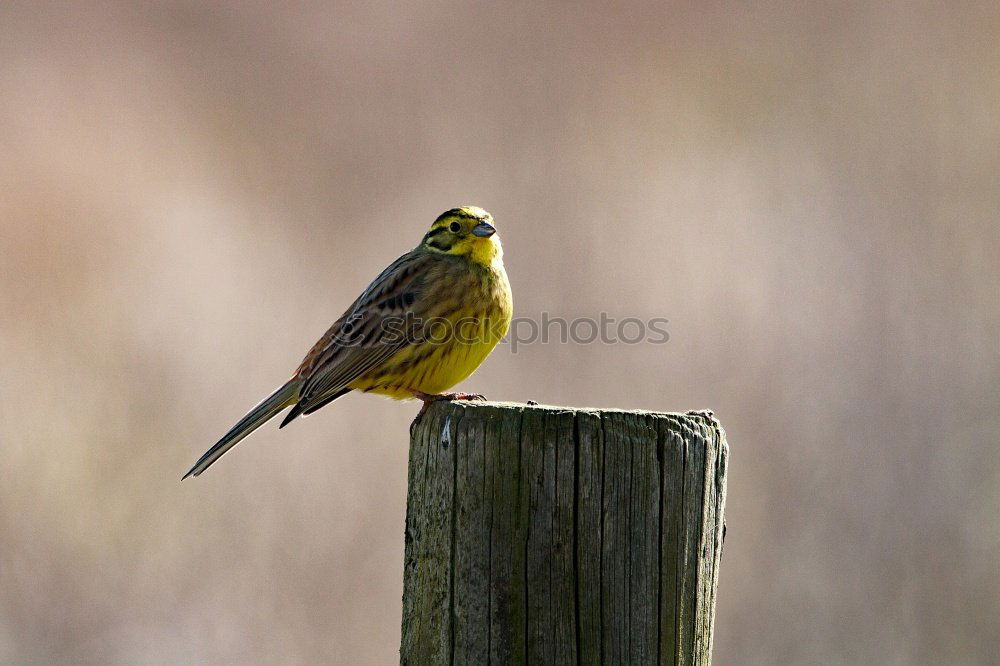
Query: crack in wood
x=546, y=535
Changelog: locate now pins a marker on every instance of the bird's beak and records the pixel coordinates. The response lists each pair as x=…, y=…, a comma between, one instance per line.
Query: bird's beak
x=483, y=230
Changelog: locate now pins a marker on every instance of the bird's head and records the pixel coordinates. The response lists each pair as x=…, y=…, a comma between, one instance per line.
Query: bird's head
x=467, y=231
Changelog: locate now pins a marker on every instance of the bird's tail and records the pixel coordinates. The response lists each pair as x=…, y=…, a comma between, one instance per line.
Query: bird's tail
x=258, y=416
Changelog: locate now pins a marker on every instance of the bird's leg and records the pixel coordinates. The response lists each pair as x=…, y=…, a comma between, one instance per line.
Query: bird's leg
x=430, y=398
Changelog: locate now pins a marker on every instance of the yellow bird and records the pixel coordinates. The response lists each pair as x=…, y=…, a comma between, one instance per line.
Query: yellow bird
x=422, y=326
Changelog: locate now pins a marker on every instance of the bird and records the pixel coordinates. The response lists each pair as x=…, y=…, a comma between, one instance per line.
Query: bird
x=423, y=325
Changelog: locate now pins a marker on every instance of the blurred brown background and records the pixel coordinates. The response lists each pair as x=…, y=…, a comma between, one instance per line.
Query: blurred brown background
x=191, y=192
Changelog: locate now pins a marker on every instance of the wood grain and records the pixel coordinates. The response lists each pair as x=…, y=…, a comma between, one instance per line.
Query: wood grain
x=549, y=535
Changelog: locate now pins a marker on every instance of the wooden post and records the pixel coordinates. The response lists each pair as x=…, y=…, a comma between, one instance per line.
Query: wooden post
x=549, y=535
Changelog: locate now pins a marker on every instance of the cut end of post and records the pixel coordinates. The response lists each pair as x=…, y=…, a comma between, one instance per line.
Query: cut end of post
x=542, y=533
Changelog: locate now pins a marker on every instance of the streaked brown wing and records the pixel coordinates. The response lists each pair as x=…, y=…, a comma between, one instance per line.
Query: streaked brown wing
x=361, y=340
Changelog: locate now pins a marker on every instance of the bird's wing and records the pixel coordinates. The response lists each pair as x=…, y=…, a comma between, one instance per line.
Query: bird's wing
x=373, y=329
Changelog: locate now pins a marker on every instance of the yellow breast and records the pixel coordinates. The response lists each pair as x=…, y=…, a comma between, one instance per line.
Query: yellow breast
x=467, y=329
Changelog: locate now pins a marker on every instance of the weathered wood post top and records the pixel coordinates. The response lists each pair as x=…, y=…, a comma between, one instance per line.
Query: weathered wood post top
x=550, y=535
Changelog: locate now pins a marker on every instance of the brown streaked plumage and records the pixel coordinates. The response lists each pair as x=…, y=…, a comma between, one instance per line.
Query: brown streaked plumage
x=390, y=341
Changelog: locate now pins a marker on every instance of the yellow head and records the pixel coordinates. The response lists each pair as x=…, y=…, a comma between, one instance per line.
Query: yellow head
x=465, y=231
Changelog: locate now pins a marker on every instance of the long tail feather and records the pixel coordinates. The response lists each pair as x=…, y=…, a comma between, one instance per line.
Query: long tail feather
x=306, y=409
x=258, y=416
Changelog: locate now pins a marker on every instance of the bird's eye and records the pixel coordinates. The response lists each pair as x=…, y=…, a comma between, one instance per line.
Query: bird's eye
x=454, y=227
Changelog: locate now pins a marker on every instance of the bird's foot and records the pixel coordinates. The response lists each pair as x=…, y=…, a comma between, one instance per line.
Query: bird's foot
x=431, y=398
